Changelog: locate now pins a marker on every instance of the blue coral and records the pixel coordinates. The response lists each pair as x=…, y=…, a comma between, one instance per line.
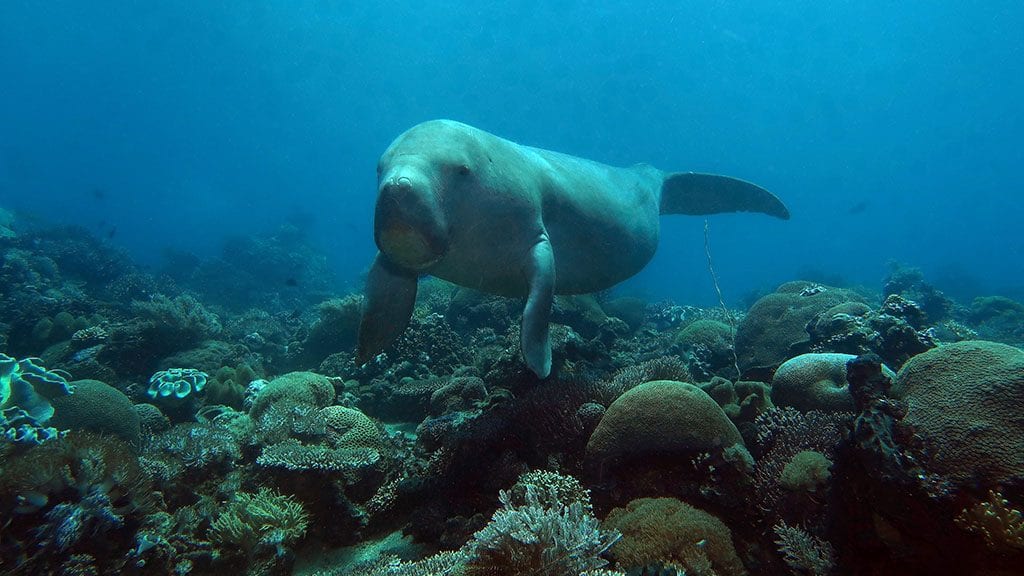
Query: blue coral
x=175, y=384
x=26, y=392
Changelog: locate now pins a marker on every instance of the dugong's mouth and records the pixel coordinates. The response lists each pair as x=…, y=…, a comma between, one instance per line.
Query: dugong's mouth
x=410, y=226
x=407, y=247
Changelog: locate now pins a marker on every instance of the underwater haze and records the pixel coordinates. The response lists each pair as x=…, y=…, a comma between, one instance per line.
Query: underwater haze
x=891, y=130
x=221, y=351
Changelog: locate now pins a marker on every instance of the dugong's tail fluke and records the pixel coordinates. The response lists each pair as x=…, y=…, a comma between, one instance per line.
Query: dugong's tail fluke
x=699, y=194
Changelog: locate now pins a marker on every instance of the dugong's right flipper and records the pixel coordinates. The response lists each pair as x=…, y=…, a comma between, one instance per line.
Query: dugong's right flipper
x=699, y=194
x=535, y=333
x=390, y=297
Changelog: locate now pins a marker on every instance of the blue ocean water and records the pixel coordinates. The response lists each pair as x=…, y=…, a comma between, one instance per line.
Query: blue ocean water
x=891, y=130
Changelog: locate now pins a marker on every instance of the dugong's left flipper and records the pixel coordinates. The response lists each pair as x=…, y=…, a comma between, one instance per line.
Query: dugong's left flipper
x=699, y=194
x=390, y=297
x=535, y=334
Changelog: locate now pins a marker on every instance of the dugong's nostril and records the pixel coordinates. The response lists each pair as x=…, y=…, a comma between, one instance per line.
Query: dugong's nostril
x=398, y=186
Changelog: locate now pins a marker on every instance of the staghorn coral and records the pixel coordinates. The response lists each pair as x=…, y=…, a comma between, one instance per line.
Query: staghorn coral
x=551, y=488
x=293, y=455
x=440, y=564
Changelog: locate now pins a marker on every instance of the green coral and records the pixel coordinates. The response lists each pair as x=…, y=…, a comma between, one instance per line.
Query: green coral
x=964, y=401
x=807, y=471
x=306, y=388
x=262, y=526
x=775, y=327
x=98, y=407
x=661, y=417
x=668, y=531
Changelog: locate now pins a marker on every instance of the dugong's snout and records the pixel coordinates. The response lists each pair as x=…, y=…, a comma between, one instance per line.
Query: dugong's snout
x=409, y=226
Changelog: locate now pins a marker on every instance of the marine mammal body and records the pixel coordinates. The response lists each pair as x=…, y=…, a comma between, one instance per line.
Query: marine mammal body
x=486, y=213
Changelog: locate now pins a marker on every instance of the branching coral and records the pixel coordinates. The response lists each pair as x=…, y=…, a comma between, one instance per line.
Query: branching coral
x=804, y=553
x=1001, y=525
x=663, y=368
x=539, y=540
x=262, y=524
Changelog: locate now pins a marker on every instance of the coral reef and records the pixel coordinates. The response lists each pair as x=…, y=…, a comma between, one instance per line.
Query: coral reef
x=272, y=451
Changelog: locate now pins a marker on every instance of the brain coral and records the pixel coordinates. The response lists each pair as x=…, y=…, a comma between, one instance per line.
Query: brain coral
x=299, y=387
x=815, y=382
x=775, y=327
x=350, y=428
x=661, y=417
x=98, y=407
x=965, y=399
x=665, y=530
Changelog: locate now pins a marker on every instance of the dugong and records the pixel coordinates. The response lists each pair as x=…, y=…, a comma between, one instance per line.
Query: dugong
x=486, y=213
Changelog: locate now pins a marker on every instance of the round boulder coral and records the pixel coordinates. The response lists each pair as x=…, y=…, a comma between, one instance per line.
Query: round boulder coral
x=665, y=530
x=661, y=417
x=97, y=407
x=775, y=328
x=300, y=387
x=807, y=471
x=965, y=400
x=815, y=382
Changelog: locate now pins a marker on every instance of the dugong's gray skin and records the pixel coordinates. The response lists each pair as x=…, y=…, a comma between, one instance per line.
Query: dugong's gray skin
x=486, y=213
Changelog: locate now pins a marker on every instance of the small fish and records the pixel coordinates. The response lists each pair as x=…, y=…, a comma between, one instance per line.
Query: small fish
x=291, y=282
x=859, y=207
x=99, y=193
x=112, y=232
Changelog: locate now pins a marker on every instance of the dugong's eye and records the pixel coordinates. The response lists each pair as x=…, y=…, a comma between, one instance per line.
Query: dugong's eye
x=463, y=170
